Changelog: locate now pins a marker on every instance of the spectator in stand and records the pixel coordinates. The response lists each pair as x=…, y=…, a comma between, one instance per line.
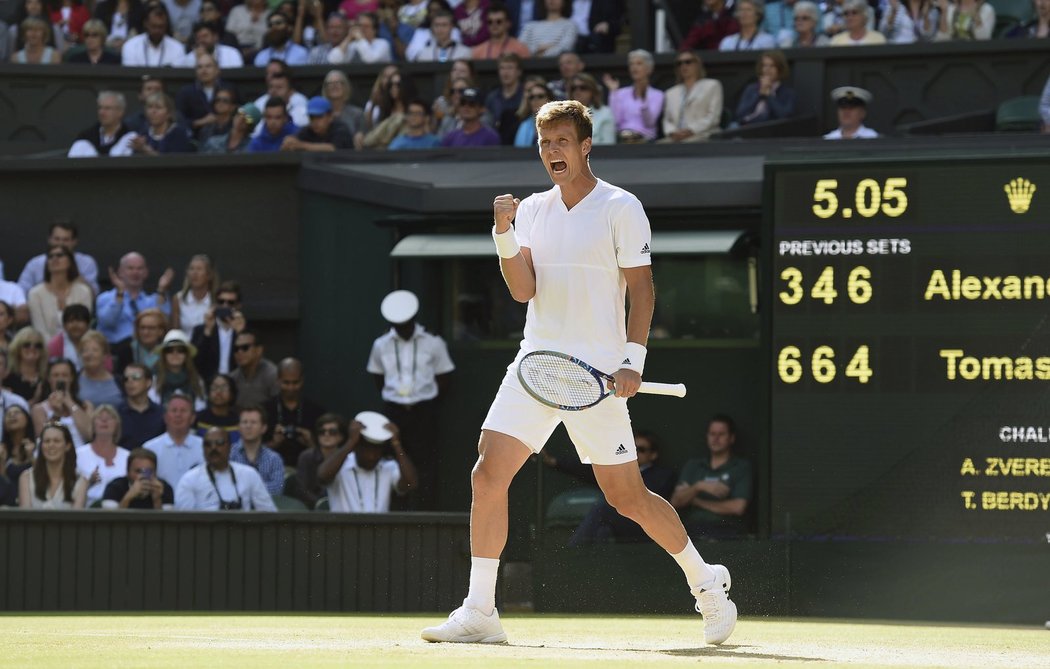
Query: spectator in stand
x=714, y=491
x=239, y=134
x=69, y=17
x=503, y=104
x=178, y=450
x=358, y=477
x=275, y=127
x=62, y=402
x=164, y=134
x=833, y=21
x=76, y=321
x=17, y=441
x=149, y=328
x=194, y=100
x=598, y=24
x=1038, y=26
x=34, y=32
x=779, y=16
x=200, y=284
x=251, y=450
x=442, y=46
x=141, y=488
x=637, y=107
x=291, y=414
x=248, y=25
x=255, y=376
x=472, y=132
x=855, y=16
x=471, y=18
x=60, y=288
x=63, y=232
x=7, y=319
x=221, y=411
x=14, y=297
x=279, y=84
x=362, y=44
x=806, y=31
x=461, y=76
x=111, y=136
x=176, y=373
x=965, y=20
x=34, y=9
x=852, y=103
x=392, y=108
x=337, y=90
x=53, y=483
x=308, y=27
x=714, y=23
x=423, y=33
x=750, y=37
x=373, y=107
x=585, y=89
x=212, y=13
x=221, y=485
x=116, y=308
x=102, y=461
x=151, y=84
x=214, y=337
x=569, y=65
x=97, y=384
x=183, y=14
x=330, y=433
x=26, y=366
x=141, y=418
x=279, y=44
x=912, y=21
x=206, y=40
x=122, y=18
x=500, y=40
x=553, y=34
x=693, y=107
x=536, y=95
x=155, y=47
x=413, y=13
x=398, y=34
x=336, y=29
x=94, y=51
x=324, y=133
x=416, y=133
x=8, y=397
x=769, y=98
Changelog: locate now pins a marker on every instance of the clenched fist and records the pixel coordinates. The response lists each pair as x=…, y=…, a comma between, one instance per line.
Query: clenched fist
x=504, y=209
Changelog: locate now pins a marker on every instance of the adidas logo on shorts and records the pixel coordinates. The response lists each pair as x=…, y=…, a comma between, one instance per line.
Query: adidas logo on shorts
x=621, y=450
x=645, y=250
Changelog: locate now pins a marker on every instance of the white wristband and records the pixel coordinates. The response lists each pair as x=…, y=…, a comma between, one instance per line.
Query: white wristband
x=634, y=357
x=506, y=243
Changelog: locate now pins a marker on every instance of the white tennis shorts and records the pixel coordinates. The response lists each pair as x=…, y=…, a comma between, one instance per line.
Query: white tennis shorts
x=602, y=434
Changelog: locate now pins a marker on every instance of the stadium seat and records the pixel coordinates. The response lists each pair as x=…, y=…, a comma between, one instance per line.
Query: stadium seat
x=285, y=503
x=567, y=509
x=1019, y=115
x=1010, y=14
x=322, y=505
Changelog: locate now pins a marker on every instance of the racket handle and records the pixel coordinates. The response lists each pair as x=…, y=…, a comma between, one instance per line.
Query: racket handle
x=673, y=389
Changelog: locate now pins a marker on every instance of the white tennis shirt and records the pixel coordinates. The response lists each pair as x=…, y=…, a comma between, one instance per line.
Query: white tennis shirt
x=578, y=255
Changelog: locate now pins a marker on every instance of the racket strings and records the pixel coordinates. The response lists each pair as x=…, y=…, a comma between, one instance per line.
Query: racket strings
x=560, y=381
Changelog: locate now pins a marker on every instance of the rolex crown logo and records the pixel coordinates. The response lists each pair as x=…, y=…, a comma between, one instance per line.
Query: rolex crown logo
x=1019, y=193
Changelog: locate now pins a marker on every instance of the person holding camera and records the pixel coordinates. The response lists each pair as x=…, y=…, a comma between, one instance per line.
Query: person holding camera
x=214, y=338
x=221, y=485
x=291, y=414
x=141, y=488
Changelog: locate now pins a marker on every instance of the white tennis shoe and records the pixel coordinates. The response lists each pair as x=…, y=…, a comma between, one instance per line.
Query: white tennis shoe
x=467, y=625
x=713, y=603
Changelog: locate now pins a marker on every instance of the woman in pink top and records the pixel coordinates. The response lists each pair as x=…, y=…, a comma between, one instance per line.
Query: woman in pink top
x=637, y=107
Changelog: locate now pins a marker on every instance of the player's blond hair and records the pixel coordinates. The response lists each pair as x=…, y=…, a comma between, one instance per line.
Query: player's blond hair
x=561, y=111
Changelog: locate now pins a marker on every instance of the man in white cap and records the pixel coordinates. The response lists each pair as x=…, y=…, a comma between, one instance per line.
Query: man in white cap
x=411, y=369
x=852, y=102
x=358, y=477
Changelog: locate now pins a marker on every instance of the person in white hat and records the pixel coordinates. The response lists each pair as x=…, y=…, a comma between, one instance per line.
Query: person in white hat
x=852, y=103
x=411, y=369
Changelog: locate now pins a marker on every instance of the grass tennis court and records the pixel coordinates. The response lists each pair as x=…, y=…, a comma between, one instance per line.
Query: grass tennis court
x=547, y=641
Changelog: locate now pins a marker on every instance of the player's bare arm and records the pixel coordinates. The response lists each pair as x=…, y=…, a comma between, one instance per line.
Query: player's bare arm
x=517, y=269
x=641, y=294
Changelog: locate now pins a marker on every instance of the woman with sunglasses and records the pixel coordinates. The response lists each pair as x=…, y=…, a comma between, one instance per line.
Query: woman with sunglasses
x=693, y=107
x=176, y=372
x=53, y=482
x=856, y=31
x=27, y=365
x=62, y=403
x=536, y=95
x=584, y=88
x=94, y=51
x=769, y=98
x=218, y=123
x=393, y=105
x=59, y=290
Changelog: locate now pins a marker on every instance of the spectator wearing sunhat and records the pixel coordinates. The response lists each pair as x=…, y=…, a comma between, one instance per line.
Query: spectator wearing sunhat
x=323, y=133
x=176, y=373
x=852, y=103
x=411, y=369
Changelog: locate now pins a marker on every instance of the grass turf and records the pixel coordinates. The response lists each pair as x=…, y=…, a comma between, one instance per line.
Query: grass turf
x=547, y=641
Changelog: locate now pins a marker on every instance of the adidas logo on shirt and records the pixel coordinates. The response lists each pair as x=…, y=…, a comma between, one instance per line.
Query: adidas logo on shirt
x=645, y=250
x=621, y=450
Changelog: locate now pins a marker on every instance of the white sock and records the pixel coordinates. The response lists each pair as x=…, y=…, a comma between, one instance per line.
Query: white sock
x=697, y=572
x=482, y=592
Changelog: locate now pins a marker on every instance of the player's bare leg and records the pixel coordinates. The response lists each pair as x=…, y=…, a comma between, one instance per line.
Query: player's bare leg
x=500, y=456
x=626, y=492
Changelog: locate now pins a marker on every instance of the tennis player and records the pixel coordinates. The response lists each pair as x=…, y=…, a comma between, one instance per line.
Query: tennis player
x=575, y=252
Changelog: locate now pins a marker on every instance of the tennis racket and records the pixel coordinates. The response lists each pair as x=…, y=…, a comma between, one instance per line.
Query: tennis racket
x=565, y=382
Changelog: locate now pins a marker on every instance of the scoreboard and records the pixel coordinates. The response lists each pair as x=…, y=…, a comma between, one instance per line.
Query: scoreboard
x=910, y=336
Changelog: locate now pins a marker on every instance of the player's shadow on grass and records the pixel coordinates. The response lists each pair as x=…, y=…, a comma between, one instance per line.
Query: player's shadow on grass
x=719, y=651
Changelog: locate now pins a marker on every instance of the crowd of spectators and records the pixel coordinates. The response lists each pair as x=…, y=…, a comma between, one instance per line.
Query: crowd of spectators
x=140, y=395
x=211, y=116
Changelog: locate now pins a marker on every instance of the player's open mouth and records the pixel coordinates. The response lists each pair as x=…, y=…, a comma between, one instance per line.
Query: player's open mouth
x=558, y=166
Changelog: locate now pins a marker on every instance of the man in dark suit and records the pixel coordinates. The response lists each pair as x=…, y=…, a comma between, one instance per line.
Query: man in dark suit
x=214, y=338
